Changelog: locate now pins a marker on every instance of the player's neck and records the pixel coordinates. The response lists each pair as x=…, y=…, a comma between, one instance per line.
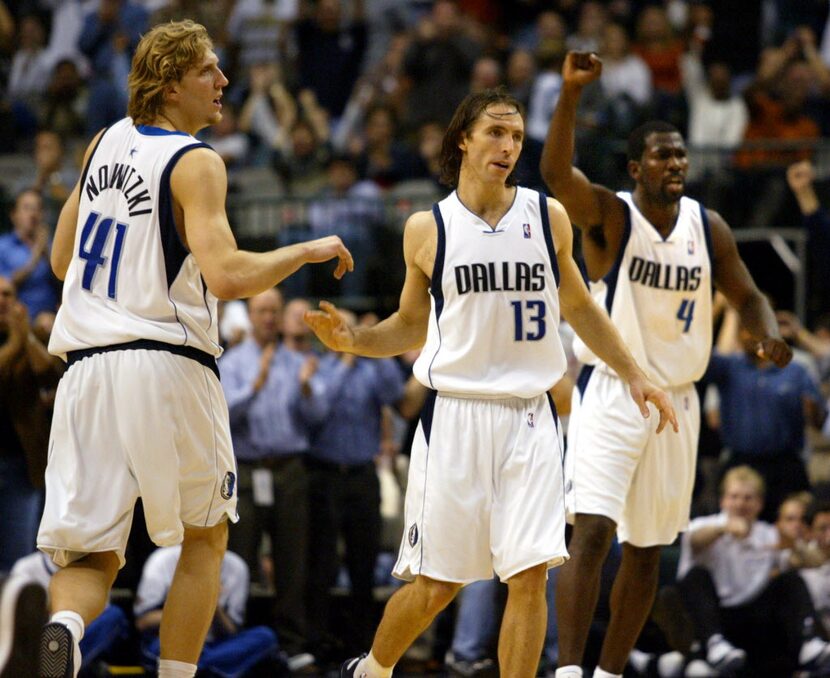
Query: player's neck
x=661, y=215
x=489, y=202
x=172, y=122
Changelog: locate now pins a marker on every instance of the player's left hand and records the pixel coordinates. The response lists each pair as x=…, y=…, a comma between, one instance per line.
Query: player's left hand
x=643, y=391
x=330, y=327
x=776, y=350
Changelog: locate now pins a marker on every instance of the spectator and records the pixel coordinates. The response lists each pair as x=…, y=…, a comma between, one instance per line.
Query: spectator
x=227, y=140
x=102, y=636
x=301, y=164
x=589, y=29
x=331, y=54
x=818, y=578
x=519, y=74
x=624, y=74
x=275, y=399
x=740, y=609
x=51, y=176
x=801, y=178
x=67, y=100
x=791, y=522
x=430, y=137
x=269, y=111
x=24, y=254
x=29, y=74
x=230, y=650
x=257, y=30
x=817, y=343
x=108, y=39
x=344, y=488
x=771, y=438
x=440, y=59
x=383, y=159
x=25, y=368
x=487, y=74
x=213, y=15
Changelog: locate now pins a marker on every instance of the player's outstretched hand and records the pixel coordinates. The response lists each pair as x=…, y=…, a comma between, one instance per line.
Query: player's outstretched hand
x=331, y=246
x=581, y=68
x=330, y=327
x=643, y=391
x=775, y=350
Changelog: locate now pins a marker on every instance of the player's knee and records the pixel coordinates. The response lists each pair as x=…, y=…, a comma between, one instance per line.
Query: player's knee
x=645, y=560
x=592, y=536
x=436, y=595
x=528, y=583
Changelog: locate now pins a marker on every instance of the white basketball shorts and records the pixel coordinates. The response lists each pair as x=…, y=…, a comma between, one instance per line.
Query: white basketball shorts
x=485, y=490
x=619, y=467
x=132, y=423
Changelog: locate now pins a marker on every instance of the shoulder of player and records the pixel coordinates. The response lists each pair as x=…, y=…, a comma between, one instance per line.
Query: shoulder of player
x=720, y=232
x=198, y=168
x=420, y=224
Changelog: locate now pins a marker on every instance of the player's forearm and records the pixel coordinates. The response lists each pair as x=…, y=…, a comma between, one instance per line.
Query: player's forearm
x=595, y=328
x=758, y=317
x=557, y=153
x=241, y=274
x=393, y=336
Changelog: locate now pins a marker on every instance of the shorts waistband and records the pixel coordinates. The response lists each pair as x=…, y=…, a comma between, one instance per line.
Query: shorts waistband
x=149, y=345
x=482, y=396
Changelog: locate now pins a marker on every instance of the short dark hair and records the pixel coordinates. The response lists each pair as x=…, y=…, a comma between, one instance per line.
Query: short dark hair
x=637, y=138
x=818, y=506
x=462, y=122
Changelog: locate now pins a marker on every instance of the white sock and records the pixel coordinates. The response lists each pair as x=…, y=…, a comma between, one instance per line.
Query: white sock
x=71, y=620
x=371, y=667
x=570, y=671
x=169, y=668
x=600, y=673
x=810, y=649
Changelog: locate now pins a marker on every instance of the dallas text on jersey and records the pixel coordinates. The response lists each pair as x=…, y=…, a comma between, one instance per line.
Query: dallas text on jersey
x=664, y=276
x=124, y=178
x=507, y=276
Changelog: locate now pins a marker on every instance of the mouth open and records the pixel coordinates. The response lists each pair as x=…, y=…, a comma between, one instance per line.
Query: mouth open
x=502, y=165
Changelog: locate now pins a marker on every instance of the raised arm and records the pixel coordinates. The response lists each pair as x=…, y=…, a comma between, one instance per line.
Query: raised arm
x=594, y=326
x=406, y=328
x=199, y=185
x=733, y=279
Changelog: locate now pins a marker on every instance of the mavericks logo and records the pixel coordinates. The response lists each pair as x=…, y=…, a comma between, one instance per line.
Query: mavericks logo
x=228, y=483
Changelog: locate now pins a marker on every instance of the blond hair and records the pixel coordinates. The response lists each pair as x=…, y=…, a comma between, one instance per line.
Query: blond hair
x=162, y=57
x=744, y=474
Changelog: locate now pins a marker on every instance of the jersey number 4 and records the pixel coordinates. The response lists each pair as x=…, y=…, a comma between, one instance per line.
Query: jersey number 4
x=686, y=313
x=93, y=253
x=532, y=327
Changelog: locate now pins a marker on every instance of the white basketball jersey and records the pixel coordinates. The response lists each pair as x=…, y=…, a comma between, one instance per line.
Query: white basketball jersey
x=659, y=295
x=131, y=278
x=494, y=321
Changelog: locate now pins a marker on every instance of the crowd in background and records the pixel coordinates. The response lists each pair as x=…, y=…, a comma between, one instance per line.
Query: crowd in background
x=340, y=105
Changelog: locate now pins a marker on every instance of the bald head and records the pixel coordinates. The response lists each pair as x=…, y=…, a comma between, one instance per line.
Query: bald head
x=265, y=313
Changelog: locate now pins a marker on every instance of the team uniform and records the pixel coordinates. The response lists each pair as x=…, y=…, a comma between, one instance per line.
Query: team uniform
x=658, y=294
x=485, y=488
x=139, y=411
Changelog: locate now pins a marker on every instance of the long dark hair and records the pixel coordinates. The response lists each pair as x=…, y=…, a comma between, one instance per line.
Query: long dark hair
x=461, y=125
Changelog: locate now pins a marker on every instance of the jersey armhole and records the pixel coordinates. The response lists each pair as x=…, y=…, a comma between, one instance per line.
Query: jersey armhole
x=707, y=236
x=612, y=277
x=546, y=229
x=92, y=155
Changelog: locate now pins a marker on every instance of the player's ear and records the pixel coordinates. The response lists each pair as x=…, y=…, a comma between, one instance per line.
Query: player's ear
x=634, y=169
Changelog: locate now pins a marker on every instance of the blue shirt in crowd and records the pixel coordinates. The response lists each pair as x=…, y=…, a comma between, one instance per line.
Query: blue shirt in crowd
x=356, y=394
x=37, y=292
x=277, y=419
x=762, y=410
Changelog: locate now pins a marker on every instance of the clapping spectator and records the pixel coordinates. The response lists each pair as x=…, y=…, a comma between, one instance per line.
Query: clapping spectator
x=269, y=111
x=29, y=74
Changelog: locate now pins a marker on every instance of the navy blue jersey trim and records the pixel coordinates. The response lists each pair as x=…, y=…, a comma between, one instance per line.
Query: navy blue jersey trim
x=543, y=210
x=426, y=413
x=91, y=155
x=613, y=275
x=171, y=244
x=707, y=235
x=553, y=409
x=150, y=131
x=150, y=345
x=583, y=379
x=436, y=286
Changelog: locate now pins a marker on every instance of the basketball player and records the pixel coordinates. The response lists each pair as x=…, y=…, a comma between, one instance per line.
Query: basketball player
x=144, y=247
x=653, y=256
x=487, y=271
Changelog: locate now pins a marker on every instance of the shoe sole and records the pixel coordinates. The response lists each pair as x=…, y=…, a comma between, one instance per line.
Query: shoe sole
x=22, y=615
x=57, y=651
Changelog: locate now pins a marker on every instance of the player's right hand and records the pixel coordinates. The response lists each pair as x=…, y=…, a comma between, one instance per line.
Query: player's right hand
x=323, y=249
x=581, y=68
x=330, y=327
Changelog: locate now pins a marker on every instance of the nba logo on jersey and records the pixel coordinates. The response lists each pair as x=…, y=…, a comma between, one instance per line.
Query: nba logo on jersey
x=227, y=485
x=690, y=247
x=413, y=534
x=530, y=420
x=526, y=230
